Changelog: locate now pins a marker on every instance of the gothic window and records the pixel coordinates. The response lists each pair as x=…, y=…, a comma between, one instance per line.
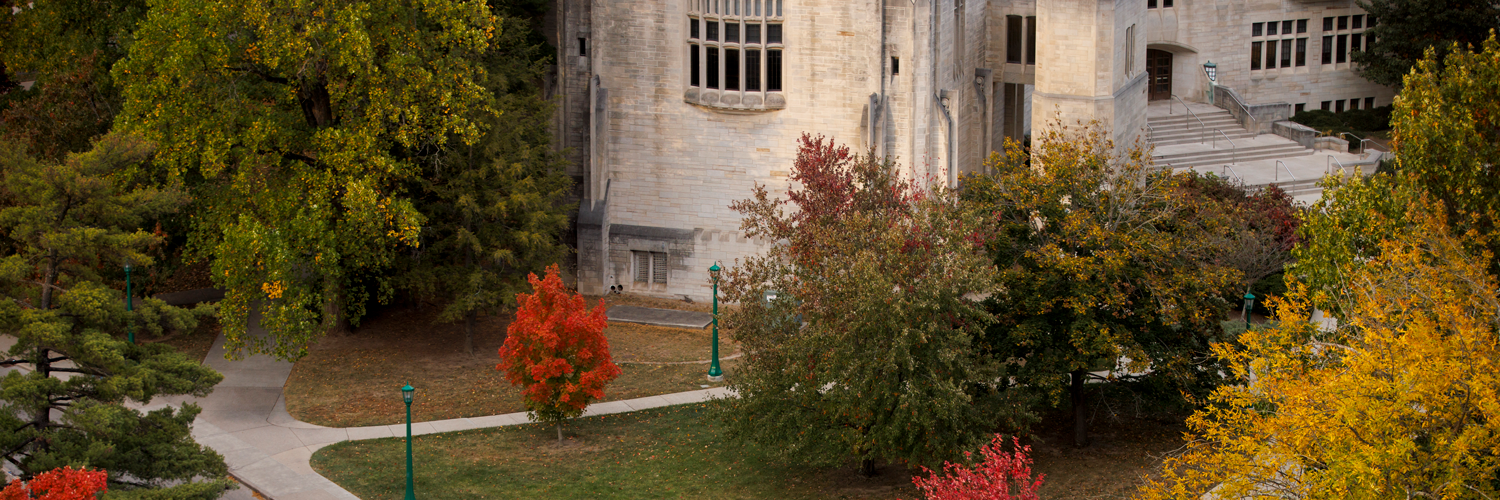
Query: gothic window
x=1019, y=28
x=740, y=50
x=1343, y=36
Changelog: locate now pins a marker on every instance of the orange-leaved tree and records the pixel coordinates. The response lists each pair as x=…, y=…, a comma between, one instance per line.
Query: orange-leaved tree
x=556, y=350
x=64, y=483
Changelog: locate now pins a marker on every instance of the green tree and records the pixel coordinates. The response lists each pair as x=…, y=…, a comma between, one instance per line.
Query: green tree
x=68, y=221
x=297, y=125
x=496, y=209
x=68, y=46
x=1101, y=261
x=871, y=349
x=1403, y=31
x=1446, y=122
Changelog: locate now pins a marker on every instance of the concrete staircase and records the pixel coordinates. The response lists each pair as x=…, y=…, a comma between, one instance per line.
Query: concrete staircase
x=1182, y=141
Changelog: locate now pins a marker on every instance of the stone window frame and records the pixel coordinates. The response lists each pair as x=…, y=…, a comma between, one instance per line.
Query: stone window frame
x=1343, y=35
x=709, y=79
x=649, y=268
x=1278, y=44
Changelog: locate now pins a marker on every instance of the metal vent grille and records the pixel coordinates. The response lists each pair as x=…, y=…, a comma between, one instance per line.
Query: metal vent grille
x=658, y=267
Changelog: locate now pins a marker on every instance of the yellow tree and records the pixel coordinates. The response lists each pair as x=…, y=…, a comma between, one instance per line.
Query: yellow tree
x=1400, y=400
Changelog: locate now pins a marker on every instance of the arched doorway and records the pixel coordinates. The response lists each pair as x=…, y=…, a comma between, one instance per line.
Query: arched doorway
x=1159, y=65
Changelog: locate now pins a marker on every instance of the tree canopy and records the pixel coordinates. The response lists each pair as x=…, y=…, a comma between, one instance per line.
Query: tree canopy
x=1398, y=401
x=1103, y=266
x=872, y=348
x=1402, y=32
x=296, y=125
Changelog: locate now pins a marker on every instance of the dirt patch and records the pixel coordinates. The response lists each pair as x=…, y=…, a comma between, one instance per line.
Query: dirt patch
x=353, y=379
x=1123, y=452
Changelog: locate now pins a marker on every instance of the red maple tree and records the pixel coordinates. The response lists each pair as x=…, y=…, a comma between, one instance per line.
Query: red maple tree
x=1000, y=476
x=64, y=483
x=556, y=351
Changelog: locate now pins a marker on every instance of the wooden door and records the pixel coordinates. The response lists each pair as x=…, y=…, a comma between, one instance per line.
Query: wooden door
x=1159, y=65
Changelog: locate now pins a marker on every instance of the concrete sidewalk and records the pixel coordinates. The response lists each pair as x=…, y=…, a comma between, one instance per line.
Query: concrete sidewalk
x=245, y=419
x=659, y=317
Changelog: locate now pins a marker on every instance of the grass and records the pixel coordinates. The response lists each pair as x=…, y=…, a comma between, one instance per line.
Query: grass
x=352, y=380
x=674, y=452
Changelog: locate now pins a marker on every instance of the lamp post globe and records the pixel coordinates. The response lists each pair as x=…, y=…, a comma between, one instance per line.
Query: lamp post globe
x=406, y=395
x=714, y=372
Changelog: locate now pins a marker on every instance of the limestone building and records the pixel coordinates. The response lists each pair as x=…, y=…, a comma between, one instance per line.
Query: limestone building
x=675, y=108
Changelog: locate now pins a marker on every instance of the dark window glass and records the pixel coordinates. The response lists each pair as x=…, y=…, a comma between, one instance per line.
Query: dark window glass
x=1299, y=108
x=773, y=33
x=731, y=69
x=1359, y=21
x=895, y=65
x=1270, y=54
x=1013, y=35
x=1341, y=51
x=1301, y=26
x=732, y=32
x=1369, y=102
x=1327, y=24
x=692, y=28
x=1166, y=3
x=1338, y=106
x=1151, y=4
x=1257, y=29
x=1326, y=104
x=693, y=70
x=1371, y=24
x=1354, y=104
x=1327, y=50
x=1255, y=55
x=1354, y=42
x=1031, y=40
x=1286, y=27
x=583, y=46
x=752, y=69
x=773, y=70
x=1301, y=52
x=1286, y=53
x=713, y=67
x=752, y=33
x=712, y=27
x=1271, y=28
x=1343, y=22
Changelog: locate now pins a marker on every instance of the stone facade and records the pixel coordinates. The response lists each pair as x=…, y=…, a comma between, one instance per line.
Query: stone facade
x=937, y=84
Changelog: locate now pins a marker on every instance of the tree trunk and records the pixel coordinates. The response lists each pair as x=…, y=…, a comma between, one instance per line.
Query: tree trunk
x=335, y=321
x=867, y=467
x=469, y=332
x=559, y=433
x=43, y=417
x=48, y=278
x=1080, y=424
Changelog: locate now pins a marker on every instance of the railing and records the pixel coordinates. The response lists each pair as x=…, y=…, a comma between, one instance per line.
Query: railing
x=1234, y=151
x=1328, y=168
x=1202, y=129
x=1243, y=109
x=1231, y=172
x=1288, y=172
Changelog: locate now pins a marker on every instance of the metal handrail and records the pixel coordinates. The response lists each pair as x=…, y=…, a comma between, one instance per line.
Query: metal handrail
x=1234, y=173
x=1243, y=108
x=1327, y=170
x=1234, y=151
x=1288, y=172
x=1202, y=129
x=1358, y=138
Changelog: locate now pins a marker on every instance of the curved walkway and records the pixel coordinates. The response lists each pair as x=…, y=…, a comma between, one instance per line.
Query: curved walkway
x=245, y=419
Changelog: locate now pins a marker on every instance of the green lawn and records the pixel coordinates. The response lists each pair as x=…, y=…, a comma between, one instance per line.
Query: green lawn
x=674, y=452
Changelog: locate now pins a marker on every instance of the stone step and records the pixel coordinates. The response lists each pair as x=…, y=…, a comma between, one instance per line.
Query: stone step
x=1185, y=120
x=1227, y=155
x=1194, y=136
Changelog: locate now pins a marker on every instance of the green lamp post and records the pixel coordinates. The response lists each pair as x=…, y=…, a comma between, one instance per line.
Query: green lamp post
x=129, y=318
x=1212, y=71
x=406, y=394
x=1249, y=304
x=714, y=373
